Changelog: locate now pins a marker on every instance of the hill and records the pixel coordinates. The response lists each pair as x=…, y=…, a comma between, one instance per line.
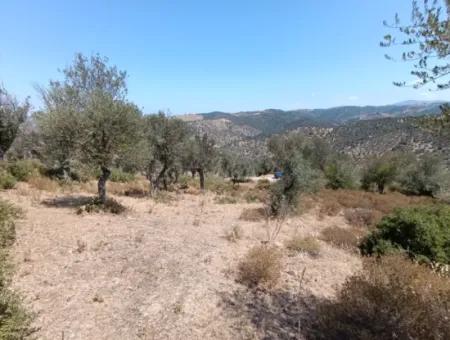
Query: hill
x=360, y=131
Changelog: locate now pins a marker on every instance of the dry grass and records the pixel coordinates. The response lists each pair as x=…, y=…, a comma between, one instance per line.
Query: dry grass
x=343, y=238
x=44, y=184
x=253, y=214
x=235, y=234
x=308, y=245
x=391, y=298
x=360, y=217
x=110, y=206
x=225, y=200
x=135, y=188
x=332, y=202
x=261, y=265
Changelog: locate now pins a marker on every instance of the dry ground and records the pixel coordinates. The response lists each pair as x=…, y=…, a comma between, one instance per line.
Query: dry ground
x=163, y=271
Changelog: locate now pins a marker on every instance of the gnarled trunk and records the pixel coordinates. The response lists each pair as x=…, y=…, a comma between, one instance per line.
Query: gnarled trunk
x=102, y=184
x=156, y=182
x=201, y=174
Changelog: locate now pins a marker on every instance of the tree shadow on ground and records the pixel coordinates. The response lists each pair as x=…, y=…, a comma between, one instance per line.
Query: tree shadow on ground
x=274, y=315
x=70, y=201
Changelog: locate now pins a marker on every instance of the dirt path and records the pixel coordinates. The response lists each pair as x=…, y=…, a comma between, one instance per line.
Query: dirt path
x=168, y=274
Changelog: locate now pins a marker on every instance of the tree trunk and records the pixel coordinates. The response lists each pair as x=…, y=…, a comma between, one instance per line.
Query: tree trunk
x=102, y=184
x=157, y=181
x=201, y=175
x=193, y=173
x=381, y=188
x=2, y=155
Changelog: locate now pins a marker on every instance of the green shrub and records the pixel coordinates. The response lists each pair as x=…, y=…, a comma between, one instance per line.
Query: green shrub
x=8, y=213
x=14, y=320
x=426, y=177
x=340, y=175
x=117, y=175
x=422, y=232
x=22, y=170
x=380, y=172
x=298, y=178
x=392, y=298
x=110, y=206
x=7, y=181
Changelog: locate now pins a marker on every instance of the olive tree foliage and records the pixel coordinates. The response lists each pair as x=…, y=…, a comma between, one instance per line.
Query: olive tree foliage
x=110, y=128
x=12, y=115
x=380, y=172
x=425, y=42
x=198, y=156
x=66, y=102
x=86, y=117
x=299, y=174
x=426, y=176
x=165, y=137
x=340, y=173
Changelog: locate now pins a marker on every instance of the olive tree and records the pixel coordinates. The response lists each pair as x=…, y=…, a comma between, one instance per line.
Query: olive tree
x=165, y=136
x=110, y=127
x=198, y=156
x=425, y=41
x=65, y=103
x=379, y=171
x=12, y=115
x=87, y=117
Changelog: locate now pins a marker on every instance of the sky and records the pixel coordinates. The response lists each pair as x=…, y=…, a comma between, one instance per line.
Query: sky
x=210, y=55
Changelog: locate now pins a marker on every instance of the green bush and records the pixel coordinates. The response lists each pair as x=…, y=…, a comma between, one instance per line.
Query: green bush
x=422, y=232
x=340, y=175
x=392, y=298
x=22, y=170
x=298, y=178
x=7, y=181
x=117, y=175
x=380, y=172
x=426, y=177
x=14, y=320
x=8, y=214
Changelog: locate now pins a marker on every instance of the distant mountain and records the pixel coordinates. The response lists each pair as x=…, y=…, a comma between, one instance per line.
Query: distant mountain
x=268, y=122
x=360, y=131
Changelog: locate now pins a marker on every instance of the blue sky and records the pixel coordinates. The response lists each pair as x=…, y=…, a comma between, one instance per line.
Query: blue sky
x=200, y=56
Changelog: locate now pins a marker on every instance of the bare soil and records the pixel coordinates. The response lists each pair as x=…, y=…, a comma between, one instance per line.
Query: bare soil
x=163, y=270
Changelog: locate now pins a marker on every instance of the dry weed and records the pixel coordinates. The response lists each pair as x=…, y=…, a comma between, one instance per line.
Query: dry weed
x=236, y=233
x=391, y=298
x=253, y=214
x=343, y=238
x=308, y=245
x=261, y=265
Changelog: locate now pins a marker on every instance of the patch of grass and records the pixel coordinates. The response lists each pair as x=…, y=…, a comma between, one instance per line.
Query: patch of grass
x=7, y=181
x=342, y=238
x=163, y=197
x=225, y=200
x=332, y=202
x=261, y=265
x=253, y=214
x=23, y=170
x=120, y=176
x=14, y=319
x=235, y=234
x=44, y=183
x=8, y=213
x=392, y=298
x=308, y=245
x=95, y=206
x=360, y=217
x=135, y=188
